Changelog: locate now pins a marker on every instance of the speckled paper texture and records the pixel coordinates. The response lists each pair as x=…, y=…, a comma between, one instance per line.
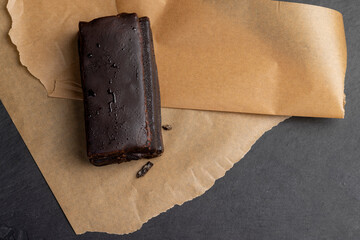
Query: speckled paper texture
x=250, y=56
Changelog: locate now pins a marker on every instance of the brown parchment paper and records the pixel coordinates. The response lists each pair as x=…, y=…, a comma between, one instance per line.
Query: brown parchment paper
x=201, y=147
x=253, y=56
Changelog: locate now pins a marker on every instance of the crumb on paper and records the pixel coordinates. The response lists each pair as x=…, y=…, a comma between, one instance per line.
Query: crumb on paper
x=167, y=127
x=144, y=169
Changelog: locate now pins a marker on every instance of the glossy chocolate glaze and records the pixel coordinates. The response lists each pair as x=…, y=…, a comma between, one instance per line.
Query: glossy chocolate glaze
x=121, y=90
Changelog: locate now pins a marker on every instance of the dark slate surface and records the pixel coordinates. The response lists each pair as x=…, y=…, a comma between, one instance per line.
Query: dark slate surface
x=300, y=181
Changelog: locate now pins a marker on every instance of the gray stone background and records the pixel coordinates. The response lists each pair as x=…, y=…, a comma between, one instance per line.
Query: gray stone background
x=300, y=181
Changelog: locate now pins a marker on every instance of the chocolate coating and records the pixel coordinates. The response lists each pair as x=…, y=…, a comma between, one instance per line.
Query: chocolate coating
x=121, y=89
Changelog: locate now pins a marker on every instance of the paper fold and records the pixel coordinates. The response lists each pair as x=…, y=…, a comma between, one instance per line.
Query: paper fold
x=250, y=56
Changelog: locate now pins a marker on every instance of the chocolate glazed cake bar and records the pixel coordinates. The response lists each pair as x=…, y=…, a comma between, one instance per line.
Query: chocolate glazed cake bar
x=121, y=89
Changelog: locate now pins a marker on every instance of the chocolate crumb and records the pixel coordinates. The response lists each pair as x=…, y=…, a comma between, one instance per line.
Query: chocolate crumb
x=144, y=169
x=167, y=127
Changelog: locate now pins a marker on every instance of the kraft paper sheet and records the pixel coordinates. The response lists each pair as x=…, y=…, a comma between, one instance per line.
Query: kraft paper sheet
x=261, y=56
x=202, y=146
